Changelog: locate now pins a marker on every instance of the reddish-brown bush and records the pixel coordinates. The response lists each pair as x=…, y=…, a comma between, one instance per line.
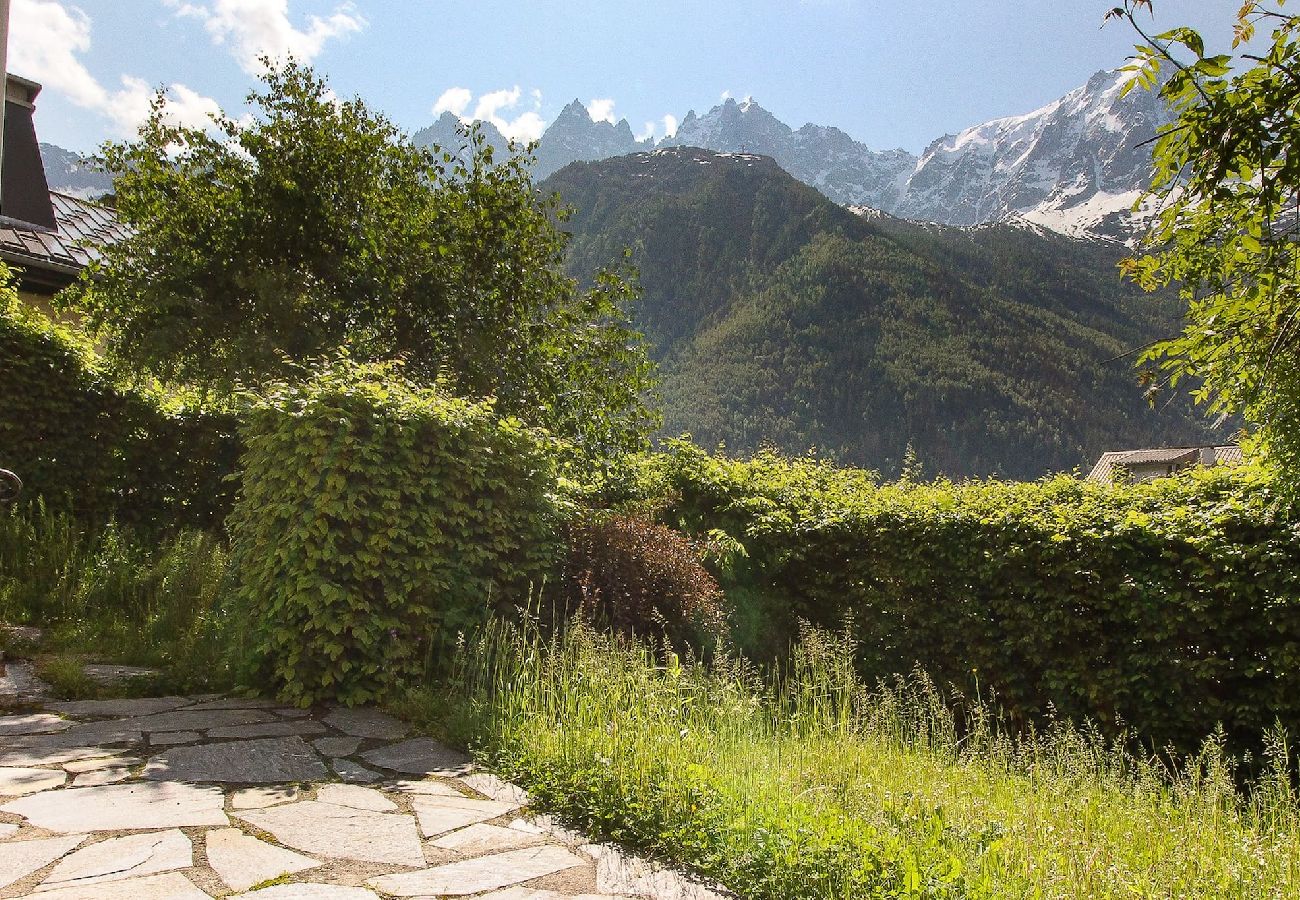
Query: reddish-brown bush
x=636, y=576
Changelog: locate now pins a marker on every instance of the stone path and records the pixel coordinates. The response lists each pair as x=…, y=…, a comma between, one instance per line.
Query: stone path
x=196, y=797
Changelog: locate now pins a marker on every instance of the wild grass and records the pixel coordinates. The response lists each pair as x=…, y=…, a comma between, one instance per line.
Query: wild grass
x=118, y=595
x=812, y=785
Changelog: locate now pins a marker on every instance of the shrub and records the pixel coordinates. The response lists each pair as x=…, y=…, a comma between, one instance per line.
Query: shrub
x=1172, y=605
x=642, y=578
x=377, y=520
x=88, y=445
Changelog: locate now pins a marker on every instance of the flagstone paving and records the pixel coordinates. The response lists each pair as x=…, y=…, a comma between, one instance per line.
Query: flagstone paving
x=184, y=798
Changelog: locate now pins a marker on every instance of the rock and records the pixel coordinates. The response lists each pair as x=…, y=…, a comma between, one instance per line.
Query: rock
x=15, y=781
x=139, y=707
x=32, y=723
x=337, y=746
x=491, y=786
x=268, y=729
x=18, y=859
x=119, y=858
x=102, y=762
x=47, y=756
x=309, y=891
x=172, y=886
x=242, y=861
x=122, y=807
x=342, y=832
x=266, y=761
x=485, y=873
x=109, y=775
x=173, y=738
x=261, y=798
x=354, y=771
x=438, y=815
x=196, y=719
x=480, y=838
x=107, y=674
x=619, y=873
x=419, y=756
x=428, y=787
x=365, y=722
x=355, y=797
x=236, y=703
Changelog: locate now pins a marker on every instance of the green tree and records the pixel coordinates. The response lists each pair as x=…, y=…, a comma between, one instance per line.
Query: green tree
x=1227, y=191
x=313, y=226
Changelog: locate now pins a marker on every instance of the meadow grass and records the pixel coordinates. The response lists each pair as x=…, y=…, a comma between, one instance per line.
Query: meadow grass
x=114, y=594
x=809, y=784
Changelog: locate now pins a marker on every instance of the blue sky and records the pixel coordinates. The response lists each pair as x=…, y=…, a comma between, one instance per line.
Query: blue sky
x=891, y=74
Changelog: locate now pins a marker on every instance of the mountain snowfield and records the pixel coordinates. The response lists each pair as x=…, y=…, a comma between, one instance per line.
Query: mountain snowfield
x=1076, y=166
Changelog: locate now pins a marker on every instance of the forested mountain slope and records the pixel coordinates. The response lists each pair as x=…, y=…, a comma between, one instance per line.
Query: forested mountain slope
x=782, y=318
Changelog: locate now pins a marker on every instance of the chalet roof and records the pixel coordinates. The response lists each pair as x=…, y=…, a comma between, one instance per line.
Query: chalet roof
x=1177, y=457
x=52, y=258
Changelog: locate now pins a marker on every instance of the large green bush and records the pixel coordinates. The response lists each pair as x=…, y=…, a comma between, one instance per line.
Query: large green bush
x=1172, y=606
x=84, y=443
x=377, y=520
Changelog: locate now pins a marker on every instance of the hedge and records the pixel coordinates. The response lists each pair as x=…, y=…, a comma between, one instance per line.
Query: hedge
x=1171, y=606
x=86, y=444
x=376, y=521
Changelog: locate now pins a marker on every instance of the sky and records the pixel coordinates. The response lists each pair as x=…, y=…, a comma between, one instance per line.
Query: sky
x=890, y=74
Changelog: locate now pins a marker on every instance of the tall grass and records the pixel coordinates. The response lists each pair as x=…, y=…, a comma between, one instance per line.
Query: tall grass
x=117, y=594
x=812, y=785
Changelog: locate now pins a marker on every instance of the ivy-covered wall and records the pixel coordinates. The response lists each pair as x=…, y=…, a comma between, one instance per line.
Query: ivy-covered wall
x=376, y=521
x=1171, y=606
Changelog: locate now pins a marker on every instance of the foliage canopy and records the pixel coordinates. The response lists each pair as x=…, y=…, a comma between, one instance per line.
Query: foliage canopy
x=1227, y=180
x=269, y=241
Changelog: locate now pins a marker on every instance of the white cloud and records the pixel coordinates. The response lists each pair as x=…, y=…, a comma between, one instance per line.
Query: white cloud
x=726, y=95
x=453, y=100
x=255, y=28
x=601, y=110
x=670, y=125
x=646, y=133
x=47, y=38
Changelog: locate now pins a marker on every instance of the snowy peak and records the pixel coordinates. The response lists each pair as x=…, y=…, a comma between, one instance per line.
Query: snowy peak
x=574, y=136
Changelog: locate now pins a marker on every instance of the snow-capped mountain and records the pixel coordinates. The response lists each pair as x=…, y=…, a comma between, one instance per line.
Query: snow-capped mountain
x=574, y=137
x=1075, y=166
x=70, y=173
x=445, y=133
x=828, y=159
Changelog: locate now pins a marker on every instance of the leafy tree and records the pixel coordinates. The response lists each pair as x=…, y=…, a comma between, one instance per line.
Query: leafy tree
x=313, y=227
x=1227, y=185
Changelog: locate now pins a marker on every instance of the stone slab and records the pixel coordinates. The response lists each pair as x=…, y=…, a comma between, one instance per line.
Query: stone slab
x=337, y=746
x=264, y=761
x=479, y=839
x=342, y=832
x=100, y=733
x=47, y=756
x=18, y=859
x=523, y=893
x=110, y=674
x=171, y=886
x=19, y=682
x=365, y=722
x=172, y=738
x=291, y=712
x=7, y=831
x=429, y=787
x=196, y=719
x=16, y=781
x=495, y=788
x=143, y=706
x=115, y=859
x=485, y=873
x=262, y=797
x=355, y=796
x=438, y=815
x=122, y=807
x=101, y=762
x=32, y=723
x=242, y=861
x=309, y=891
x=109, y=775
x=236, y=703
x=354, y=771
x=419, y=756
x=268, y=729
